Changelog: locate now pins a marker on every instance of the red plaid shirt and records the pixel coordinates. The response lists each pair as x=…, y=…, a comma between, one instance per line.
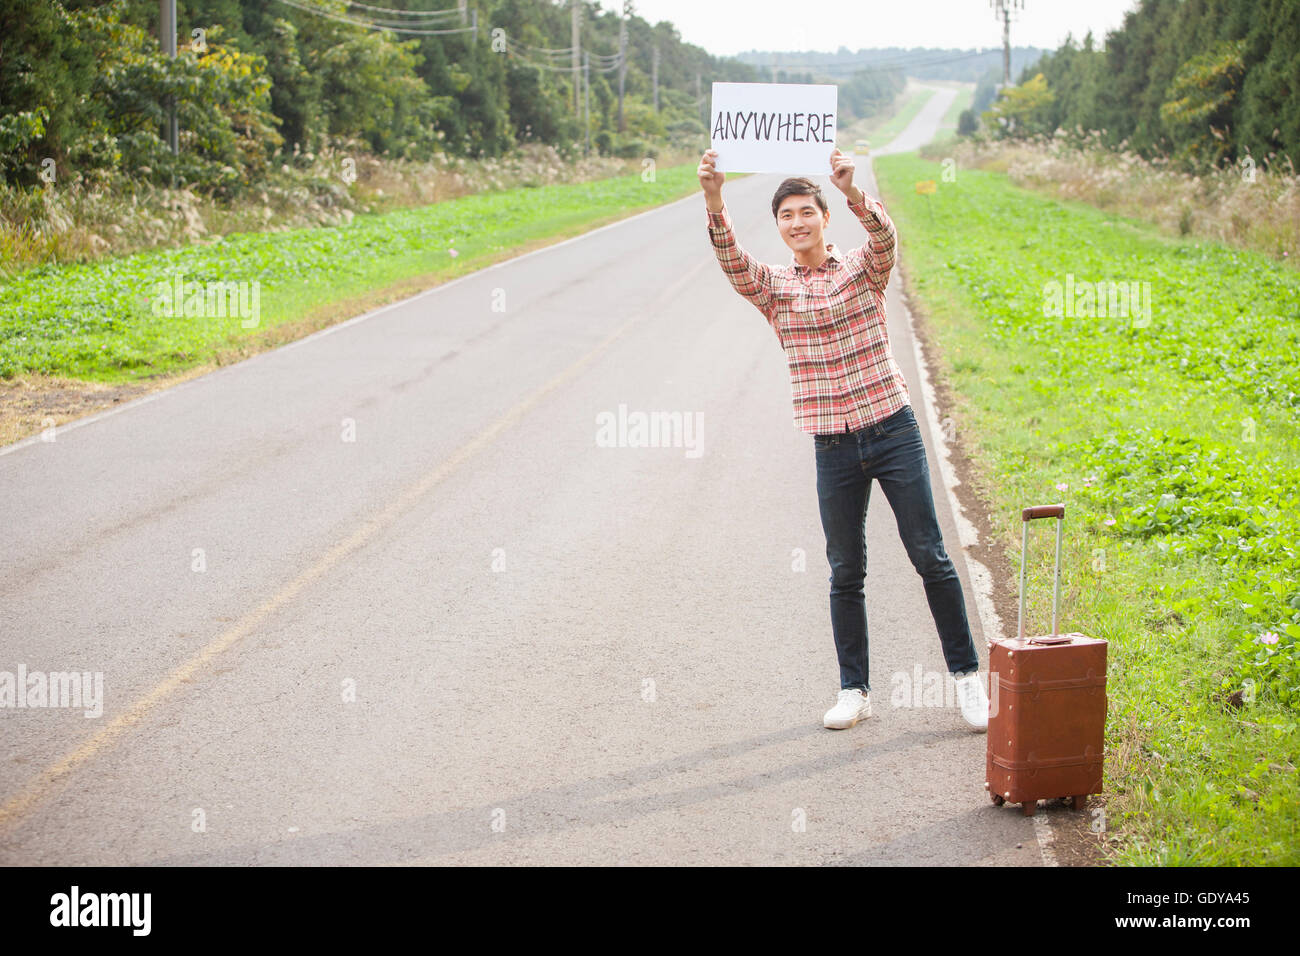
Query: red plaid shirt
x=830, y=321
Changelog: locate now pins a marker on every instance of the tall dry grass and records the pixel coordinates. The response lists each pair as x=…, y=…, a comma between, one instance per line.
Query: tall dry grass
x=111, y=215
x=1247, y=206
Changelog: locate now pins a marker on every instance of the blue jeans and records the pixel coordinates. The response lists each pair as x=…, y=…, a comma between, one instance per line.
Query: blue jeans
x=892, y=453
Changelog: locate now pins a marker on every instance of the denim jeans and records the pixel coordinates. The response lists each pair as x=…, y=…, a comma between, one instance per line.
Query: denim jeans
x=892, y=453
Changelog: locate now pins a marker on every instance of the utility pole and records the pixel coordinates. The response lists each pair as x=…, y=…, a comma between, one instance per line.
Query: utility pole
x=586, y=97
x=1002, y=10
x=699, y=100
x=576, y=43
x=167, y=36
x=654, y=72
x=622, y=64
x=466, y=18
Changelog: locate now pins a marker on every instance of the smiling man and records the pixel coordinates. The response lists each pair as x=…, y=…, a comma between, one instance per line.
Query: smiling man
x=827, y=308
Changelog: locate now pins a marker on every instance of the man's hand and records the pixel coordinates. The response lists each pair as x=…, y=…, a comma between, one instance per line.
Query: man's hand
x=842, y=175
x=711, y=180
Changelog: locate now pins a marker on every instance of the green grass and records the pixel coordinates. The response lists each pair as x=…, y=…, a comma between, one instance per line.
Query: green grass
x=962, y=101
x=946, y=135
x=1175, y=438
x=97, y=321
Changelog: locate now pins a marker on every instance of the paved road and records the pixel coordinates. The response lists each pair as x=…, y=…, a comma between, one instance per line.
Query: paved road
x=924, y=126
x=470, y=634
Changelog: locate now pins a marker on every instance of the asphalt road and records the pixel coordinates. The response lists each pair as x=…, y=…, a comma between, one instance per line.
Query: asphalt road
x=470, y=634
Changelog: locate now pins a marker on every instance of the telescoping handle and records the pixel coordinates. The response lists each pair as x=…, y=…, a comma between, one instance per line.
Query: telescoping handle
x=1026, y=516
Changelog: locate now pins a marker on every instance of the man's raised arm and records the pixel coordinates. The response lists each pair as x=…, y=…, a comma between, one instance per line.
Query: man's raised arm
x=747, y=275
x=878, y=252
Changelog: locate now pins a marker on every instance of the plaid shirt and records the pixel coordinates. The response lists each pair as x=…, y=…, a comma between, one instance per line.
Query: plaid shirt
x=830, y=321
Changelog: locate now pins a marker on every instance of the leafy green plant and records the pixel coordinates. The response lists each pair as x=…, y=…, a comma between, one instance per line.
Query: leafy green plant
x=96, y=320
x=1171, y=436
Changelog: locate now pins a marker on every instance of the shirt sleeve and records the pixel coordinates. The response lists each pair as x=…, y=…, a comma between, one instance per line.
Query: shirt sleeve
x=747, y=275
x=878, y=251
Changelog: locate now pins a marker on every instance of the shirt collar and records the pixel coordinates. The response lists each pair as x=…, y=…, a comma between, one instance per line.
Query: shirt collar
x=831, y=253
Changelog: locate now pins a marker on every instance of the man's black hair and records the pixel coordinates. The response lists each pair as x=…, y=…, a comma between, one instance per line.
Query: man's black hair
x=798, y=186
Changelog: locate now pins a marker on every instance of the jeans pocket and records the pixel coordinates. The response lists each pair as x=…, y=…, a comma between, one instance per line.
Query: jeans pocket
x=901, y=423
x=823, y=442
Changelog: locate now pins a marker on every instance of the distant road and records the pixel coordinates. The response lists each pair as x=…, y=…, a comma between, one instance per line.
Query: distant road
x=925, y=125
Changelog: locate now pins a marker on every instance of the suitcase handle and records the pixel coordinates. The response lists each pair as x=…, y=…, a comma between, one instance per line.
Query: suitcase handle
x=1043, y=511
x=1026, y=516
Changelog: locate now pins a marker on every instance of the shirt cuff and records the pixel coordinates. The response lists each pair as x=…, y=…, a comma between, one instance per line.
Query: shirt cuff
x=868, y=212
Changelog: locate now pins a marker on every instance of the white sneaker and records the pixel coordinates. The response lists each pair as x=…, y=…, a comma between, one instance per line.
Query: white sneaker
x=851, y=706
x=974, y=702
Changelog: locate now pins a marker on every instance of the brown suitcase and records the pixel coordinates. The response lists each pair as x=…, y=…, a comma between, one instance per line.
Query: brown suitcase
x=1047, y=704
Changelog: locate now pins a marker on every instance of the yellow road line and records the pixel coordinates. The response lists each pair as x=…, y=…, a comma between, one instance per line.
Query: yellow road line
x=39, y=787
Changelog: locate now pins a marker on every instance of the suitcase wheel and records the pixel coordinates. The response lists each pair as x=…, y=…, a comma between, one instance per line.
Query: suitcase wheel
x=998, y=799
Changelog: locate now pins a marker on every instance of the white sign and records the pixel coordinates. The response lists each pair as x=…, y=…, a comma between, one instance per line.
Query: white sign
x=773, y=127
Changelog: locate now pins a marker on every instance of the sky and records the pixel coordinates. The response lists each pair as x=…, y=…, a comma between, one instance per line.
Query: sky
x=728, y=27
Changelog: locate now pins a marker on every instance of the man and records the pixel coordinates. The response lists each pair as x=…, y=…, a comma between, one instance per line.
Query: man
x=828, y=311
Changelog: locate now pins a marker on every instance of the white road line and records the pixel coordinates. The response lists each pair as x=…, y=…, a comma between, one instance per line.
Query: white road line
x=1046, y=837
x=968, y=535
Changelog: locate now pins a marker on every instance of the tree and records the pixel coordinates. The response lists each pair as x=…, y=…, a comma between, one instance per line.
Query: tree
x=47, y=67
x=1022, y=110
x=1198, y=110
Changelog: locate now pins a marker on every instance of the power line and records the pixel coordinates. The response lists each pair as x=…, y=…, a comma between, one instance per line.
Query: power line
x=519, y=52
x=538, y=66
x=551, y=66
x=370, y=24
x=401, y=26
x=421, y=14
x=604, y=59
x=540, y=51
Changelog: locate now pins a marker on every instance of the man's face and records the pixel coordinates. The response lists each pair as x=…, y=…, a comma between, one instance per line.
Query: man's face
x=801, y=222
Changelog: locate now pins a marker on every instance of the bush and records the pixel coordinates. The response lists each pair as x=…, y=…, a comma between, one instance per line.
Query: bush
x=632, y=148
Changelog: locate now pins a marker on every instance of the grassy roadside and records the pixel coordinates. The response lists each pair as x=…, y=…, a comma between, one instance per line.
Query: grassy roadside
x=945, y=139
x=109, y=214
x=80, y=339
x=948, y=125
x=101, y=322
x=1255, y=209
x=1171, y=436
x=898, y=122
